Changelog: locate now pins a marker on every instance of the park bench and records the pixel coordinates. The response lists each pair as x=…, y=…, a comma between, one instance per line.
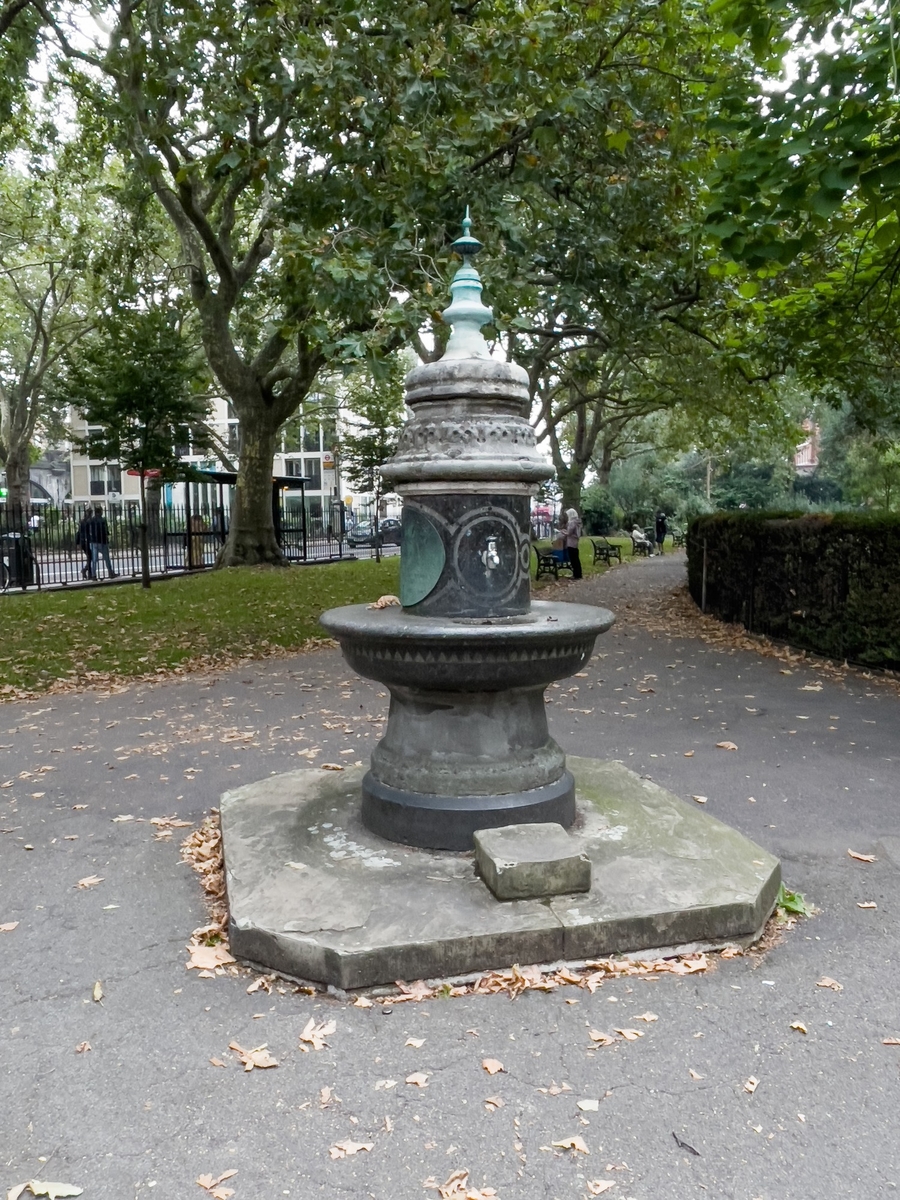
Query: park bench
x=605, y=551
x=677, y=537
x=639, y=548
x=551, y=562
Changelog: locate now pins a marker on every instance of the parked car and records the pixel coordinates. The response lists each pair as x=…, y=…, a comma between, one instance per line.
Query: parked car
x=389, y=533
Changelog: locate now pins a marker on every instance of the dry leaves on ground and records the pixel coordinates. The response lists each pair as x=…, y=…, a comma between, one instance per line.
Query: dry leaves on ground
x=862, y=857
x=89, y=881
x=83, y=1047
x=596, y=1187
x=751, y=1084
x=492, y=1065
x=345, y=1149
x=890, y=1041
x=647, y=1016
x=259, y=1057
x=799, y=1026
x=866, y=904
x=97, y=993
x=8, y=927
x=313, y=1035
x=38, y=1187
x=631, y=1035
x=575, y=1144
x=385, y=602
x=726, y=746
x=827, y=982
x=213, y=1185
x=456, y=1187
x=418, y=1079
x=492, y=1103
x=414, y=1042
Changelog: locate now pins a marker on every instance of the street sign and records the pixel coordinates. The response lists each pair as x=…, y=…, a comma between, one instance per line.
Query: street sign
x=152, y=473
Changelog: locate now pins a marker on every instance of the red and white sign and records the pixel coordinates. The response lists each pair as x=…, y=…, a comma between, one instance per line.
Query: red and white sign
x=152, y=473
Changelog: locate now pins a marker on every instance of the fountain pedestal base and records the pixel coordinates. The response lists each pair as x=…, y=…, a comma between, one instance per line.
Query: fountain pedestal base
x=449, y=822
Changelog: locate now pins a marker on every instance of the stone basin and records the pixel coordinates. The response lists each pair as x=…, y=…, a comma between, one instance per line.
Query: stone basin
x=397, y=648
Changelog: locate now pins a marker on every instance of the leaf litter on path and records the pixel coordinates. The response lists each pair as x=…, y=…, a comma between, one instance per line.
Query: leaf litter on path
x=258, y=1057
x=213, y=1185
x=38, y=1187
x=314, y=1035
x=456, y=1187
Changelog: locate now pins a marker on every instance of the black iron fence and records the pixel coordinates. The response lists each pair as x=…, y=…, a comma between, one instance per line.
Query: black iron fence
x=43, y=547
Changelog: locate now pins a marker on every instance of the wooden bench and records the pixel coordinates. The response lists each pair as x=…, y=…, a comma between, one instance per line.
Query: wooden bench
x=677, y=537
x=639, y=548
x=549, y=563
x=605, y=551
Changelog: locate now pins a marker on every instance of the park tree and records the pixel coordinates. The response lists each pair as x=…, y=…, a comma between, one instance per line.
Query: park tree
x=373, y=414
x=49, y=220
x=314, y=163
x=134, y=381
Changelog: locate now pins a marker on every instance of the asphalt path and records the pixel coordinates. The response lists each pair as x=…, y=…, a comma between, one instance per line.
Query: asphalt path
x=144, y=1113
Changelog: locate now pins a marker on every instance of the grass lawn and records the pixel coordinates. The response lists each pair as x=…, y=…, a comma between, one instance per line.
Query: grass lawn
x=88, y=635
x=201, y=619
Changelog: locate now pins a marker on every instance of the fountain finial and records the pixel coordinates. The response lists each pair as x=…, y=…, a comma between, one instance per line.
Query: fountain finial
x=467, y=313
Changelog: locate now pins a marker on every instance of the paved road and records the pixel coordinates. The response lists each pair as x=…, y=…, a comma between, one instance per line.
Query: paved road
x=144, y=1113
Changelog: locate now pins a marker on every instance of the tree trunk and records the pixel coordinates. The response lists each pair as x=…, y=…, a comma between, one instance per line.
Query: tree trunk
x=571, y=481
x=251, y=531
x=605, y=466
x=18, y=480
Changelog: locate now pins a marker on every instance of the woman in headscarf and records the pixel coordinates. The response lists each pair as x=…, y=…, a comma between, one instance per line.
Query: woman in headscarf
x=573, y=533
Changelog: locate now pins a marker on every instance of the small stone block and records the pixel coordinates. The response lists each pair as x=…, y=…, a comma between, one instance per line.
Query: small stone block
x=520, y=862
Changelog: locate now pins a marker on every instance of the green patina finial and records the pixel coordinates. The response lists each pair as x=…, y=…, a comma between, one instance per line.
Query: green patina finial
x=467, y=313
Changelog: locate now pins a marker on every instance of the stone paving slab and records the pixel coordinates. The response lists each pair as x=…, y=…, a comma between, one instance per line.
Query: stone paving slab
x=313, y=894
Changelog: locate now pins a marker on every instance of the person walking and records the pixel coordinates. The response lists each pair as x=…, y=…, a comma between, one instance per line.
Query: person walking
x=661, y=530
x=573, y=534
x=83, y=540
x=98, y=532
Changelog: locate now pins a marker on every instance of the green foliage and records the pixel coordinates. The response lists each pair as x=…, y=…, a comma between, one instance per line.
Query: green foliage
x=374, y=419
x=133, y=381
x=793, y=903
x=599, y=511
x=826, y=582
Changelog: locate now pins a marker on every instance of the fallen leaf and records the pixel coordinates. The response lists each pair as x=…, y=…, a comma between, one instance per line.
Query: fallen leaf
x=385, y=602
x=82, y=1047
x=598, y=1186
x=602, y=1039
x=751, y=1084
x=39, y=1188
x=630, y=1035
x=799, y=1026
x=861, y=857
x=572, y=1143
x=688, y=754
x=827, y=982
x=385, y=1084
x=694, y=1074
x=891, y=1041
x=492, y=1065
x=97, y=993
x=326, y=1095
x=332, y=767
x=259, y=1057
x=867, y=904
x=388, y=1125
x=726, y=746
x=588, y=1105
x=211, y=1185
x=418, y=1078
x=314, y=1035
x=345, y=1149
x=456, y=1187
x=700, y=799
x=492, y=1103
x=363, y=1002
x=207, y=958
x=217, y=1062
x=414, y=1042
x=8, y=927
x=89, y=881
x=647, y=1016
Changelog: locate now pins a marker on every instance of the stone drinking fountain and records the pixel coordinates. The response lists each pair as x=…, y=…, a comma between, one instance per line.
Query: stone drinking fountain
x=468, y=656
x=365, y=875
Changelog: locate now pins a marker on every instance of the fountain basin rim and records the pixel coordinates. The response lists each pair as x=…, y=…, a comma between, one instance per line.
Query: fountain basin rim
x=546, y=621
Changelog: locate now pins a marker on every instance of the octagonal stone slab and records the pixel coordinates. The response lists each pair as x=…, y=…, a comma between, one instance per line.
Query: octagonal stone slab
x=313, y=894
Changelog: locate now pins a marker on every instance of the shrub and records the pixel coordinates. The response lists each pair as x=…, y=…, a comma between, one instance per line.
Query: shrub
x=598, y=510
x=828, y=582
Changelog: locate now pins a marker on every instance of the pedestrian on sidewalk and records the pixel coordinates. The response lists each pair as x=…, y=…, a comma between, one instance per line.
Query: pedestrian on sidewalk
x=98, y=531
x=573, y=534
x=661, y=530
x=83, y=539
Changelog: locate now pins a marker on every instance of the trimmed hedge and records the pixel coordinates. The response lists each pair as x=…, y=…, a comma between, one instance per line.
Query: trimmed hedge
x=828, y=582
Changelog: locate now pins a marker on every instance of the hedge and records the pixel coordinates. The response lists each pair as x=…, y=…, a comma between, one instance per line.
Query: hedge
x=828, y=582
